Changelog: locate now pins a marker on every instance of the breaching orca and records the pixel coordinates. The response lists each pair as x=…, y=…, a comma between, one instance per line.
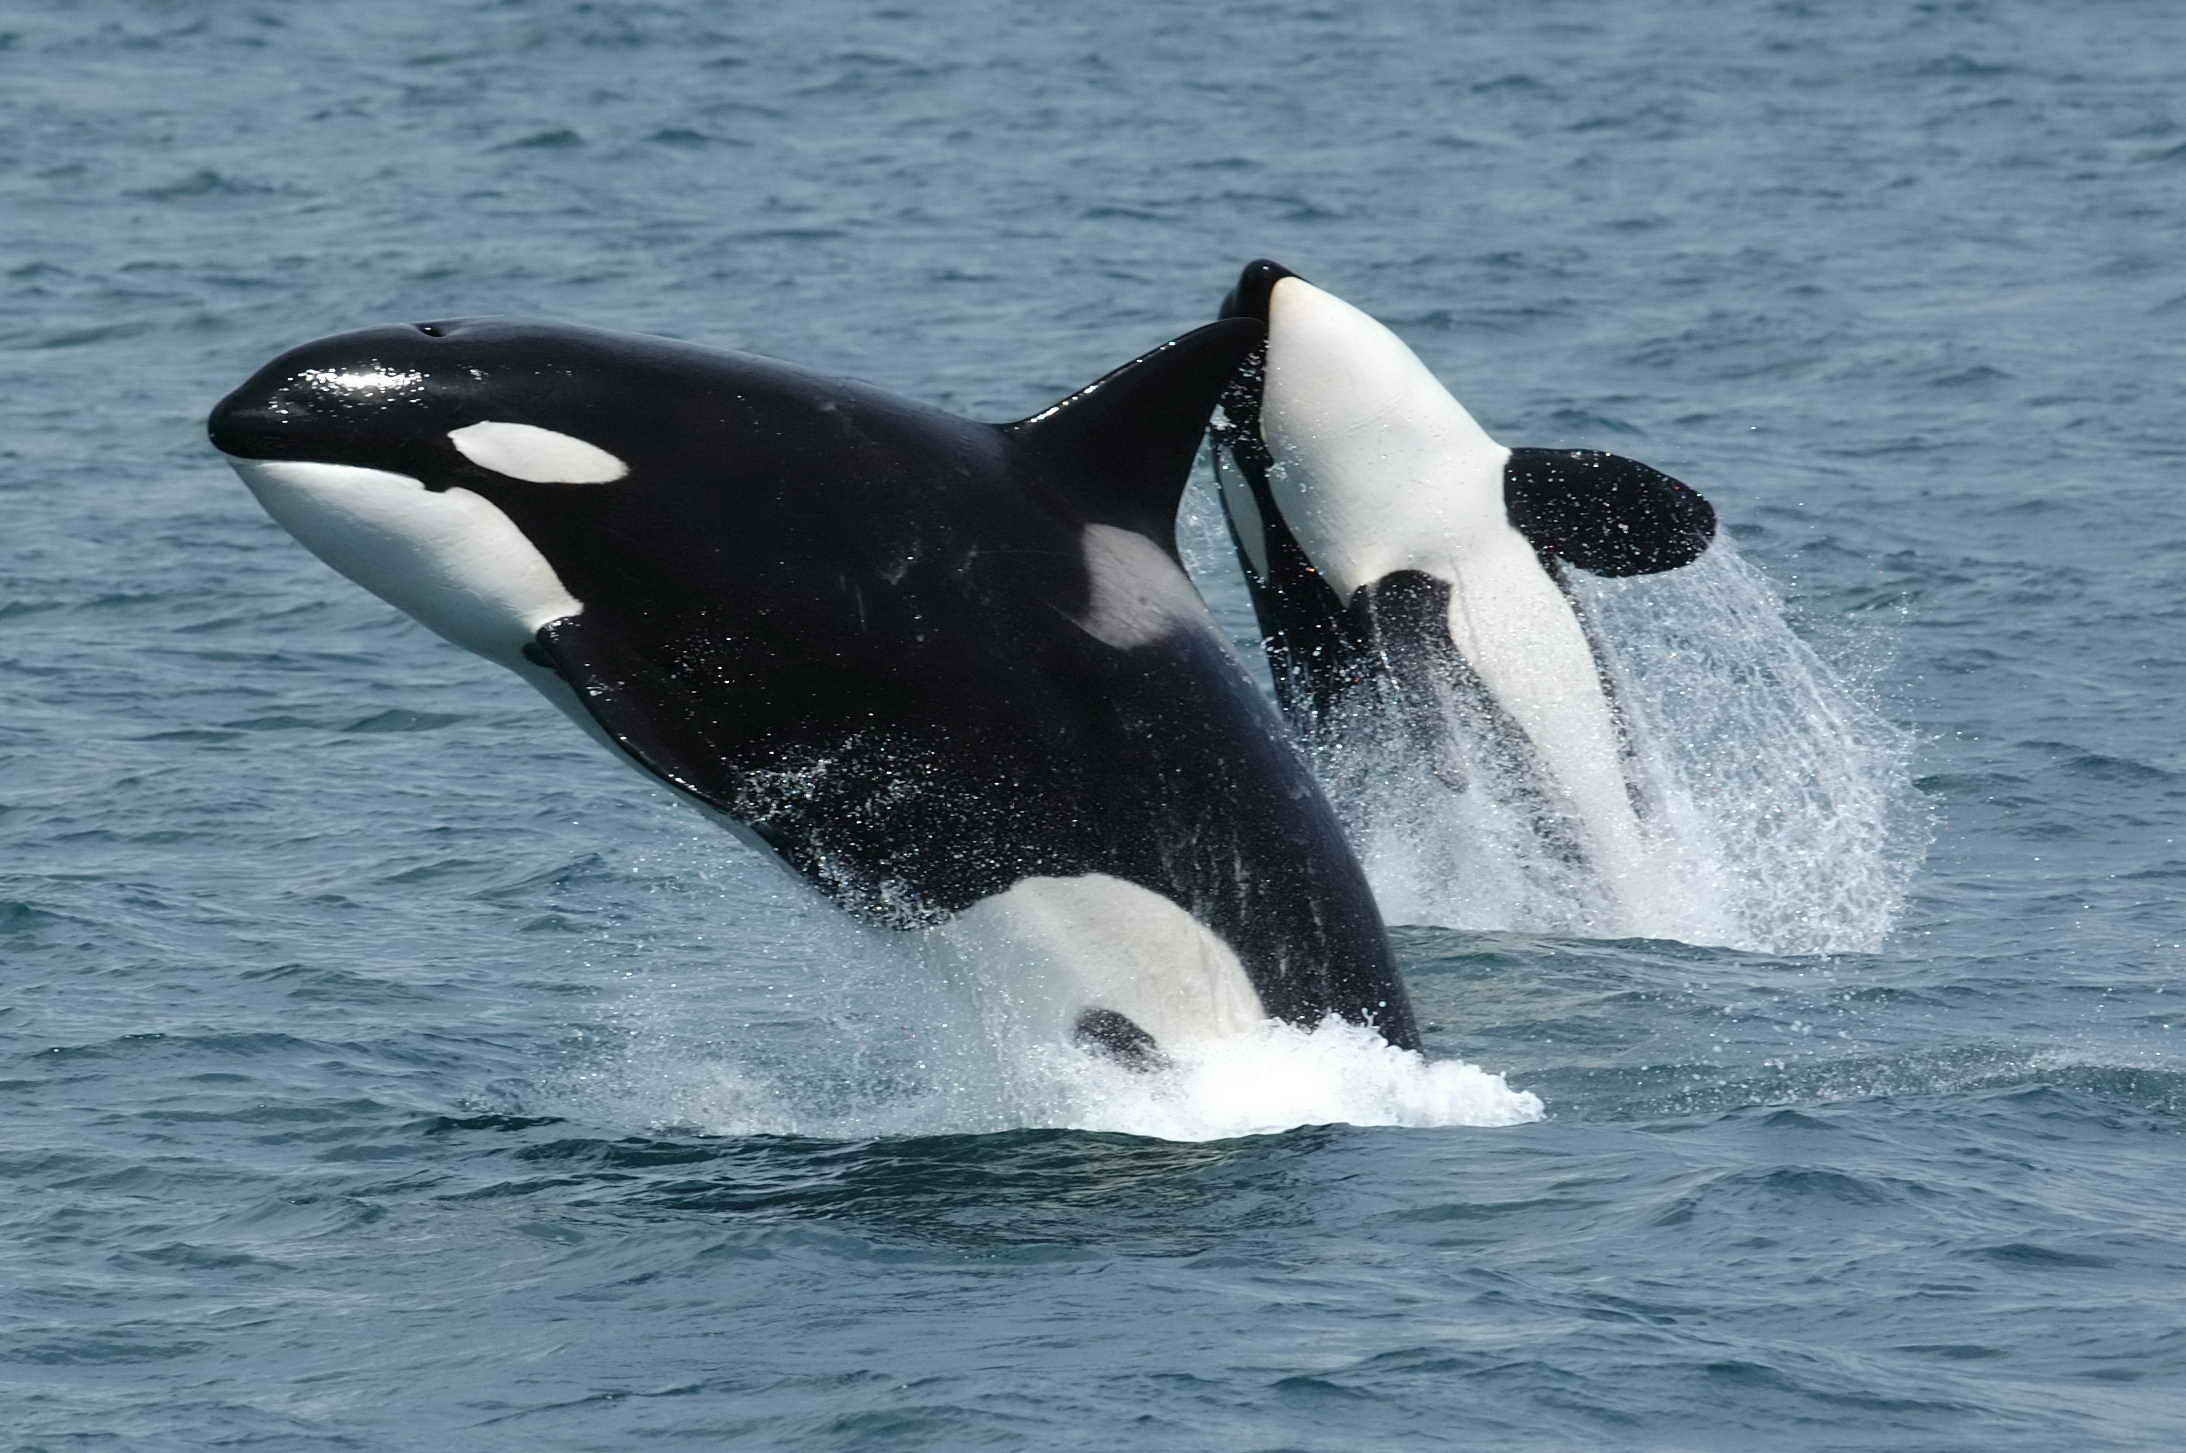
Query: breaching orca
x=948, y=672
x=1405, y=566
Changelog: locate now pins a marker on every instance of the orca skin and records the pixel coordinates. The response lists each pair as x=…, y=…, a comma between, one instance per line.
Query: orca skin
x=948, y=672
x=1400, y=560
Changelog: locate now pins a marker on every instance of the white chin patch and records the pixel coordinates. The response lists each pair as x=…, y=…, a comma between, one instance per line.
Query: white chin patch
x=535, y=455
x=450, y=558
x=1377, y=468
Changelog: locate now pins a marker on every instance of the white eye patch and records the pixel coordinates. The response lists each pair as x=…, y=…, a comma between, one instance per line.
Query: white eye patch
x=536, y=455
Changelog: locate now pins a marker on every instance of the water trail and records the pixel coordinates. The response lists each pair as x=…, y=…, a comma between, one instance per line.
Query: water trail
x=1274, y=1078
x=819, y=1027
x=1778, y=800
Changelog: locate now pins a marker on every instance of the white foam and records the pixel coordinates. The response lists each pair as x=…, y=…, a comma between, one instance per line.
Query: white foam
x=1274, y=1078
x=807, y=1024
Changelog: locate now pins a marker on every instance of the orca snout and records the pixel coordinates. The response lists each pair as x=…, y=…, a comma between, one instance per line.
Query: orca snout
x=1255, y=289
x=242, y=423
x=256, y=422
x=329, y=398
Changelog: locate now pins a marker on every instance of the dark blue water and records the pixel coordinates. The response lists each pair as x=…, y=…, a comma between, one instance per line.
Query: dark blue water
x=381, y=1066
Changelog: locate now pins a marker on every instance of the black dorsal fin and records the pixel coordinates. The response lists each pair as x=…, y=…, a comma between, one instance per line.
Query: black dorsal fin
x=1122, y=447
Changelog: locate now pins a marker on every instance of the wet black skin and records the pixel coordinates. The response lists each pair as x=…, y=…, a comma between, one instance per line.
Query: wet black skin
x=1390, y=641
x=847, y=621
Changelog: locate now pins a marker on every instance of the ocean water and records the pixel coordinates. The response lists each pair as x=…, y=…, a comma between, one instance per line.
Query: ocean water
x=382, y=1066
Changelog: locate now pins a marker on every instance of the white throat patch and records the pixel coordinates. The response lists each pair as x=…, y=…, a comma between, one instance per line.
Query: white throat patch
x=451, y=558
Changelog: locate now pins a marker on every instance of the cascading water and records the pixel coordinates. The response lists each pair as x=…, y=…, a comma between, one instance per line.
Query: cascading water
x=915, y=1034
x=880, y=1032
x=1778, y=802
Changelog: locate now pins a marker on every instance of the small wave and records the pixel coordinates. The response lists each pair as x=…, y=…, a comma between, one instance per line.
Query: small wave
x=559, y=138
x=400, y=719
x=1277, y=1078
x=204, y=182
x=681, y=136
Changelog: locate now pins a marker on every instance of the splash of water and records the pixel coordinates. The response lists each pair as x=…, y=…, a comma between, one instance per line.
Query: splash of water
x=1274, y=1078
x=869, y=1033
x=1780, y=810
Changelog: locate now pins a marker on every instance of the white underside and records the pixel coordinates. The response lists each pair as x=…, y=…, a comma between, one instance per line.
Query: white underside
x=1048, y=949
x=1378, y=469
x=449, y=558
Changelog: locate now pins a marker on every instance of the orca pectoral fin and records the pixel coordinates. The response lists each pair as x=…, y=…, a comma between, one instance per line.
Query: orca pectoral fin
x=680, y=736
x=1605, y=513
x=1122, y=447
x=1114, y=1036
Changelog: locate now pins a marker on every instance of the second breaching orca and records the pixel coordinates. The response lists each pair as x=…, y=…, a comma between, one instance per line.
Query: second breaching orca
x=1406, y=568
x=949, y=673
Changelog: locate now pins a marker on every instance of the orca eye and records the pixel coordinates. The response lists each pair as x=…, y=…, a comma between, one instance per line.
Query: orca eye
x=431, y=330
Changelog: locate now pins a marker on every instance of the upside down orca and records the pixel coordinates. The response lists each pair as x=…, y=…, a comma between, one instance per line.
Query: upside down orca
x=945, y=671
x=1402, y=563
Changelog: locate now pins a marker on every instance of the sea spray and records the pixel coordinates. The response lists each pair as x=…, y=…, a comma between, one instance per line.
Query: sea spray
x=1777, y=798
x=1273, y=1078
x=1783, y=796
x=881, y=1033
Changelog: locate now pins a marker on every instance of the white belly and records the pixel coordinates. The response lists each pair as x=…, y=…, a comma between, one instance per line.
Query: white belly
x=1048, y=949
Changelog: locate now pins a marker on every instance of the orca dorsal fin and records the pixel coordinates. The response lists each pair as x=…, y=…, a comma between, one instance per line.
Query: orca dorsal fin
x=1122, y=447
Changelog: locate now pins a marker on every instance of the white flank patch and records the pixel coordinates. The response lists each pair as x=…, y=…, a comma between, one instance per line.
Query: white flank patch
x=1138, y=594
x=1048, y=949
x=451, y=558
x=536, y=455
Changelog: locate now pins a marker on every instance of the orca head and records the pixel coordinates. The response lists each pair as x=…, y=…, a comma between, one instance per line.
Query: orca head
x=423, y=400
x=1338, y=435
x=405, y=457
x=1374, y=467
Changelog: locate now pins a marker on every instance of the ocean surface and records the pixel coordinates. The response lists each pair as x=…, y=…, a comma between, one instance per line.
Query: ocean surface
x=383, y=1067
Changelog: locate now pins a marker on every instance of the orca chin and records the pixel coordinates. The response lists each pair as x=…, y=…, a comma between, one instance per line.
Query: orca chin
x=951, y=674
x=1400, y=560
